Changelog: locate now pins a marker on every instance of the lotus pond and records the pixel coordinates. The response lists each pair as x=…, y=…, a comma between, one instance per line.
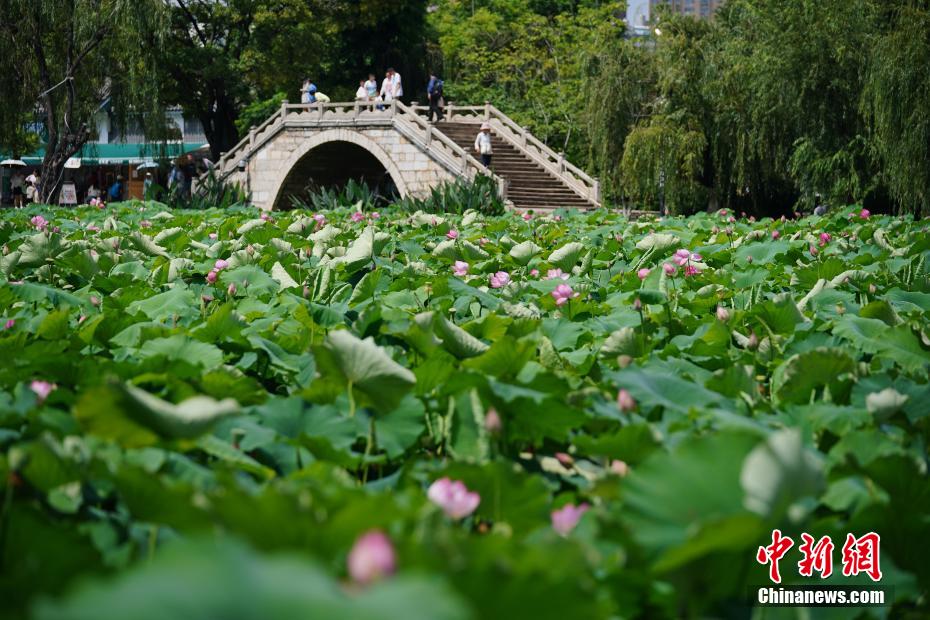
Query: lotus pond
x=217, y=414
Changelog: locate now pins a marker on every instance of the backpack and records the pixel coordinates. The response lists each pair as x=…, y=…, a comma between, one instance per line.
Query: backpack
x=437, y=88
x=115, y=190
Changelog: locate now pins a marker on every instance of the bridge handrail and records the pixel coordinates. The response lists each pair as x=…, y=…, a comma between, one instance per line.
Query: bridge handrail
x=521, y=138
x=408, y=114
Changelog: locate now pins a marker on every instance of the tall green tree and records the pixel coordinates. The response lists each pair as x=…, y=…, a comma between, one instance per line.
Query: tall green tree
x=66, y=59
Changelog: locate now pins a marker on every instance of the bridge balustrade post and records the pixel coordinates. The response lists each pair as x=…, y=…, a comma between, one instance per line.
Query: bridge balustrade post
x=487, y=110
x=356, y=111
x=561, y=162
x=523, y=134
x=252, y=133
x=284, y=109
x=393, y=108
x=429, y=135
x=597, y=190
x=450, y=112
x=319, y=110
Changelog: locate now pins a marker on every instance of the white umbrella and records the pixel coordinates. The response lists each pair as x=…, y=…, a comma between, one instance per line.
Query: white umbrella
x=12, y=162
x=73, y=162
x=146, y=164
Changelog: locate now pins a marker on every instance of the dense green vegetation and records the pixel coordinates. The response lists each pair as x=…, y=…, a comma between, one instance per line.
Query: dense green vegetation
x=188, y=395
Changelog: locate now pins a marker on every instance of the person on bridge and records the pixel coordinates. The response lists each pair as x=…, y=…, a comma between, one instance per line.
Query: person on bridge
x=308, y=92
x=396, y=84
x=483, y=144
x=372, y=87
x=434, y=91
x=362, y=93
x=387, y=87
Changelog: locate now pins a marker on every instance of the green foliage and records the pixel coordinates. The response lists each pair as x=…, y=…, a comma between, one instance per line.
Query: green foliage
x=257, y=112
x=479, y=194
x=314, y=387
x=897, y=89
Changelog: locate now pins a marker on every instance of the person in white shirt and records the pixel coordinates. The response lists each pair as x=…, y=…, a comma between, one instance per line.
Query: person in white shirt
x=362, y=93
x=483, y=144
x=396, y=84
x=16, y=185
x=387, y=88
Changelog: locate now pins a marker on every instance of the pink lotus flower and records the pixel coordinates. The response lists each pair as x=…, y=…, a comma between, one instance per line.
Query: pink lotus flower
x=42, y=389
x=565, y=459
x=625, y=401
x=375, y=215
x=460, y=268
x=691, y=270
x=723, y=314
x=643, y=273
x=814, y=251
x=93, y=228
x=484, y=241
x=39, y=222
x=320, y=220
x=500, y=279
x=775, y=234
x=683, y=256
x=231, y=289
x=358, y=216
x=669, y=269
x=557, y=218
x=864, y=214
x=211, y=277
x=221, y=264
x=371, y=558
x=492, y=421
x=527, y=216
x=250, y=249
x=145, y=224
x=534, y=273
x=825, y=238
x=556, y=274
x=94, y=301
x=452, y=234
x=265, y=217
x=566, y=518
x=212, y=235
x=563, y=293
x=206, y=298
x=453, y=497
x=9, y=324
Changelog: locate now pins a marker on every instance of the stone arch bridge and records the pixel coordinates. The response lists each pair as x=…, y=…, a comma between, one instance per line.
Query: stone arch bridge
x=326, y=144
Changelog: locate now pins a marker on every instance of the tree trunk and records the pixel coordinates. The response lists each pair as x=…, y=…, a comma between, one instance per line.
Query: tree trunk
x=219, y=124
x=53, y=165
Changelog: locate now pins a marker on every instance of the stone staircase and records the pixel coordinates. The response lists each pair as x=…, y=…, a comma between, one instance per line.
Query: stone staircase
x=529, y=185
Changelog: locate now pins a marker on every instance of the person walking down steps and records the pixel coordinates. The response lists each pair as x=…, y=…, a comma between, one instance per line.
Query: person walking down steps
x=483, y=144
x=434, y=90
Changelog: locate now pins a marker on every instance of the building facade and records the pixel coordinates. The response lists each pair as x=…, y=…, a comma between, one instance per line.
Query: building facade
x=640, y=14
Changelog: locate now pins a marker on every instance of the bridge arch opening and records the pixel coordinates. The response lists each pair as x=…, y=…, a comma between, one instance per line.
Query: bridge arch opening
x=333, y=165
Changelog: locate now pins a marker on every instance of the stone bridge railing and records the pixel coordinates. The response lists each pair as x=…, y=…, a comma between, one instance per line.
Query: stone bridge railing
x=531, y=146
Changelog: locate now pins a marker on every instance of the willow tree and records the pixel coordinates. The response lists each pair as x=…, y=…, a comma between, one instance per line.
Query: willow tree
x=69, y=59
x=897, y=100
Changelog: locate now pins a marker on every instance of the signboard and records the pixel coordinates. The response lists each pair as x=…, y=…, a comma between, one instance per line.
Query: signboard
x=68, y=194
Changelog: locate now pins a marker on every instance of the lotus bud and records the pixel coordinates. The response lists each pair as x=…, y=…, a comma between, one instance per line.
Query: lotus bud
x=625, y=401
x=231, y=289
x=492, y=421
x=723, y=314
x=624, y=360
x=619, y=467
x=840, y=309
x=637, y=305
x=753, y=343
x=250, y=250
x=565, y=459
x=872, y=289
